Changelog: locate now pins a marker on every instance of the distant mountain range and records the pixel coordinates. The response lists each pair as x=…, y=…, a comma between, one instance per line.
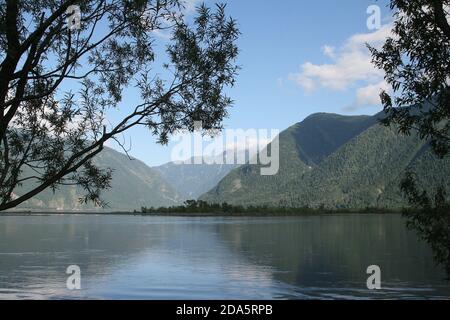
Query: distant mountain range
x=134, y=185
x=336, y=161
x=192, y=180
x=326, y=160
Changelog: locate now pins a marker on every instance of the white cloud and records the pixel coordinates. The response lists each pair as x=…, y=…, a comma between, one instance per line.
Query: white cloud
x=373, y=38
x=244, y=144
x=248, y=144
x=191, y=5
x=328, y=51
x=368, y=95
x=350, y=67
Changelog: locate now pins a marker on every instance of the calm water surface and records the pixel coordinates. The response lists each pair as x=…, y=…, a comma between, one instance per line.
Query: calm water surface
x=126, y=257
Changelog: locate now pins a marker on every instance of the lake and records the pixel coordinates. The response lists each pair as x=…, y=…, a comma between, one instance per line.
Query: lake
x=134, y=257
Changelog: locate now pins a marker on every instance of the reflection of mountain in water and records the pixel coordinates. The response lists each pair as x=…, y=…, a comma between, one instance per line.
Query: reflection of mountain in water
x=333, y=253
x=213, y=258
x=132, y=257
x=36, y=250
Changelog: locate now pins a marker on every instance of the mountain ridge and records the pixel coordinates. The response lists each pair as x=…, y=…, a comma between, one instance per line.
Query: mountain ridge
x=354, y=169
x=133, y=185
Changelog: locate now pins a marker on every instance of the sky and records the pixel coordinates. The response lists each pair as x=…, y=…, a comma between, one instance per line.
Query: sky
x=297, y=58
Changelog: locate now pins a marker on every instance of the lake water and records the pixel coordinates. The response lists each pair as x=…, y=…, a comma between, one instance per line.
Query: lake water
x=133, y=257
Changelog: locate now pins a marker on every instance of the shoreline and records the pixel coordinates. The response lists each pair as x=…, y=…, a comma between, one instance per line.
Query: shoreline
x=197, y=215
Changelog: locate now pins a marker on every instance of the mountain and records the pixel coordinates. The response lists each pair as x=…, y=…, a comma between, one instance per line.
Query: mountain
x=337, y=162
x=192, y=180
x=321, y=134
x=133, y=185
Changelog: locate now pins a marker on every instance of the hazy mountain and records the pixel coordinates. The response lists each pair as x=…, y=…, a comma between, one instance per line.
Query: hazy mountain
x=327, y=159
x=134, y=184
x=338, y=162
x=191, y=180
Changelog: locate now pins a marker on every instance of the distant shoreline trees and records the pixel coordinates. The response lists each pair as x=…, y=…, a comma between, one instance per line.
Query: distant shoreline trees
x=200, y=207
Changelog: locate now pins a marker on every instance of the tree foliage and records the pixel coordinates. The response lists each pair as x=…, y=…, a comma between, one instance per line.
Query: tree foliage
x=203, y=208
x=416, y=63
x=417, y=66
x=430, y=217
x=57, y=83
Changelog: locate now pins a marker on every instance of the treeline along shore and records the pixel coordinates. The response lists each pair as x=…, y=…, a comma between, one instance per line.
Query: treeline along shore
x=203, y=208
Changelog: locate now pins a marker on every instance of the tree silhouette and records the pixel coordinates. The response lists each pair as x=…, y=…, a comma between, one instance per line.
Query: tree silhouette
x=417, y=66
x=58, y=79
x=431, y=218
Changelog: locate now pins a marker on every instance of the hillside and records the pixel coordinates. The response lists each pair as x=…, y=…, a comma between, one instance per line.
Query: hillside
x=337, y=162
x=320, y=134
x=134, y=184
x=193, y=180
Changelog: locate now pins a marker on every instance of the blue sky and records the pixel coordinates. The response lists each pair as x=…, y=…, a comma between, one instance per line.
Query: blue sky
x=298, y=58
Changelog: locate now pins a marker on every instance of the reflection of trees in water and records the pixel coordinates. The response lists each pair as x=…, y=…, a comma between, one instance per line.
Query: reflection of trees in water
x=430, y=218
x=419, y=44
x=308, y=251
x=253, y=254
x=36, y=250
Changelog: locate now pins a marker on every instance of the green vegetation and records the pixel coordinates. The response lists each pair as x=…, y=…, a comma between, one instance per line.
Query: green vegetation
x=353, y=162
x=416, y=66
x=133, y=184
x=191, y=181
x=430, y=217
x=203, y=208
x=53, y=112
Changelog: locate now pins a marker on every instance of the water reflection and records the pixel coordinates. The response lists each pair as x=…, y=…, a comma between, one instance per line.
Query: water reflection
x=214, y=258
x=327, y=256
